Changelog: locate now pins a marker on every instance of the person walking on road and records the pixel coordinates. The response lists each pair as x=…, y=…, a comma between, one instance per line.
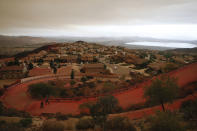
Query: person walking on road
x=41, y=104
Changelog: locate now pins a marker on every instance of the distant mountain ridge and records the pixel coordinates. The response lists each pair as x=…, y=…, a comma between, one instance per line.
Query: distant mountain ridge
x=186, y=50
x=6, y=41
x=26, y=40
x=15, y=44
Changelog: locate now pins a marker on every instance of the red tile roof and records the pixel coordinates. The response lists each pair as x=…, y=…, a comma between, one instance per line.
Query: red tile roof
x=64, y=70
x=7, y=59
x=94, y=65
x=40, y=71
x=8, y=68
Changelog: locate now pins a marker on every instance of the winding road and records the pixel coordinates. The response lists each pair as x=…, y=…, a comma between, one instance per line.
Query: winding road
x=16, y=96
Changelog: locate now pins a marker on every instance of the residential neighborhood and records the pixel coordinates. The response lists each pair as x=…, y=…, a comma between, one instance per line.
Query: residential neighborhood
x=91, y=58
x=67, y=78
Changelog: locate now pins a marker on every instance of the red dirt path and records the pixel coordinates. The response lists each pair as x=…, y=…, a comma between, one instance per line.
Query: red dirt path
x=16, y=97
x=149, y=111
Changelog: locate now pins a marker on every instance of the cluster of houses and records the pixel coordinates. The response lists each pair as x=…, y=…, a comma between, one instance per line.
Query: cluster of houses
x=87, y=55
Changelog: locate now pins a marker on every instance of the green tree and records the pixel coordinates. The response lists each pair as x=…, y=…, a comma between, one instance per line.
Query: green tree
x=105, y=66
x=161, y=91
x=168, y=55
x=52, y=64
x=30, y=66
x=72, y=75
x=16, y=61
x=84, y=79
x=40, y=61
x=95, y=59
x=100, y=110
x=42, y=90
x=72, y=82
x=54, y=70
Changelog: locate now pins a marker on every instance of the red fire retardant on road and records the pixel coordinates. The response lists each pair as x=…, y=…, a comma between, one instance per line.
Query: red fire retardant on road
x=17, y=97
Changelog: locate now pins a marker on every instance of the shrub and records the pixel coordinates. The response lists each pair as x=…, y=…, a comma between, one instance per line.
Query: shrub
x=91, y=84
x=188, y=90
x=165, y=121
x=99, y=81
x=60, y=116
x=2, y=122
x=25, y=122
x=72, y=82
x=63, y=93
x=137, y=106
x=84, y=124
x=10, y=127
x=169, y=67
x=52, y=126
x=120, y=124
x=1, y=91
x=90, y=77
x=107, y=89
x=1, y=108
x=117, y=109
x=41, y=90
x=189, y=108
x=13, y=112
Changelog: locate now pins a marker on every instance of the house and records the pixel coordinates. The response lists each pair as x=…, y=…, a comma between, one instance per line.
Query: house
x=179, y=60
x=160, y=57
x=42, y=53
x=156, y=67
x=64, y=70
x=4, y=61
x=133, y=59
x=45, y=65
x=34, y=57
x=87, y=58
x=69, y=58
x=12, y=72
x=54, y=48
x=93, y=68
x=140, y=61
x=50, y=57
x=47, y=59
x=24, y=59
x=37, y=71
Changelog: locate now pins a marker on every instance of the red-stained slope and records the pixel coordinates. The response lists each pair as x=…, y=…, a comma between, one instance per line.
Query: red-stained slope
x=16, y=97
x=185, y=75
x=149, y=111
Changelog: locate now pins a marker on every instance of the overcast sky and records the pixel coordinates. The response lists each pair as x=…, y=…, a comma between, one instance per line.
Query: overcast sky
x=170, y=19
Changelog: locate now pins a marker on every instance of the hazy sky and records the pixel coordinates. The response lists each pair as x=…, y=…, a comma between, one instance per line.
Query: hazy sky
x=171, y=19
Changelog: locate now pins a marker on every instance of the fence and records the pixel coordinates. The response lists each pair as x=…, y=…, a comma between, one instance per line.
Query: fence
x=63, y=76
x=87, y=98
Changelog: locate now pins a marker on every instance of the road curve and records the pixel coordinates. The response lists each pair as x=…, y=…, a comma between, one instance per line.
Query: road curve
x=16, y=97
